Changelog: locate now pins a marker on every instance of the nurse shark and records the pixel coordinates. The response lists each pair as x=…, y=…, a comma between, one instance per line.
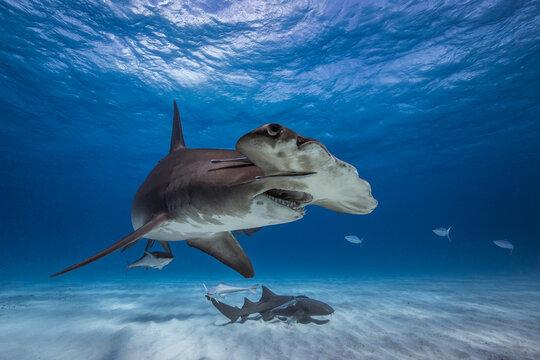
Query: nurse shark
x=284, y=307
x=203, y=195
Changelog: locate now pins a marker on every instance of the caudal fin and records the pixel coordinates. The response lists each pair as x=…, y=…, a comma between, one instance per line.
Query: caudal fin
x=448, y=234
x=134, y=236
x=231, y=312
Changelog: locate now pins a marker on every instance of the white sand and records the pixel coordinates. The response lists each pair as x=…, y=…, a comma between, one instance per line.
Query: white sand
x=377, y=319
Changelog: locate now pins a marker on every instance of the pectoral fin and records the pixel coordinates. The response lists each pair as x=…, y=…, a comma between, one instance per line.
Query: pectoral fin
x=131, y=238
x=224, y=247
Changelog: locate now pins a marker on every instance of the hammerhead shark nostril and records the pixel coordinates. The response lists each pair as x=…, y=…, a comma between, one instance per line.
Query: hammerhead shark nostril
x=300, y=140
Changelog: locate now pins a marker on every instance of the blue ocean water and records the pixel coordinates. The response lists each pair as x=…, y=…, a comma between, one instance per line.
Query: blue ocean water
x=435, y=103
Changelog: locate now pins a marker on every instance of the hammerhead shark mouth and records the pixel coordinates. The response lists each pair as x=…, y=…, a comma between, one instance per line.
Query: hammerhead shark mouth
x=295, y=200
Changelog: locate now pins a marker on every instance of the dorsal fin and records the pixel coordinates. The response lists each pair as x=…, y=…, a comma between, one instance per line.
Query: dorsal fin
x=247, y=303
x=177, y=136
x=266, y=294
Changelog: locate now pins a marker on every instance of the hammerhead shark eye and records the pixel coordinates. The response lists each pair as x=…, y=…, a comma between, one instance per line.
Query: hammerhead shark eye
x=273, y=130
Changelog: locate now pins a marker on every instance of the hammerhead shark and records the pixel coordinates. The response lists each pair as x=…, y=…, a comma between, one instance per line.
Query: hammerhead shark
x=284, y=307
x=203, y=195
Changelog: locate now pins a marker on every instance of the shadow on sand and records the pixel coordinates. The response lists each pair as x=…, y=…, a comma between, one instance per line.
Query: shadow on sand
x=158, y=318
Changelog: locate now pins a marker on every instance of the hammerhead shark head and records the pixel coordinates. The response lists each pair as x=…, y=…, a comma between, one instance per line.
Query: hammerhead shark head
x=284, y=307
x=203, y=195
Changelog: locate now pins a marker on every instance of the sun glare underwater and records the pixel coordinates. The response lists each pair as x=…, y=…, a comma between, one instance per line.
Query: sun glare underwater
x=353, y=180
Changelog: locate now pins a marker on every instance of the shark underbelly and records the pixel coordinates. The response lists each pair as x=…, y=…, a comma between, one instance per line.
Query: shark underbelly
x=183, y=229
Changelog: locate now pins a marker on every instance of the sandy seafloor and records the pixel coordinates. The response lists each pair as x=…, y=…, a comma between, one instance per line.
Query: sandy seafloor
x=488, y=318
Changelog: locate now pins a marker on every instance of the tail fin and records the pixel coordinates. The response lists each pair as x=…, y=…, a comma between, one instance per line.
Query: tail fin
x=231, y=312
x=134, y=236
x=128, y=246
x=205, y=288
x=448, y=234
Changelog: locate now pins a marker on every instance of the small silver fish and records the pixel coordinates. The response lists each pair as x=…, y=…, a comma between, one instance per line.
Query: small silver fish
x=354, y=239
x=153, y=260
x=505, y=244
x=443, y=232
